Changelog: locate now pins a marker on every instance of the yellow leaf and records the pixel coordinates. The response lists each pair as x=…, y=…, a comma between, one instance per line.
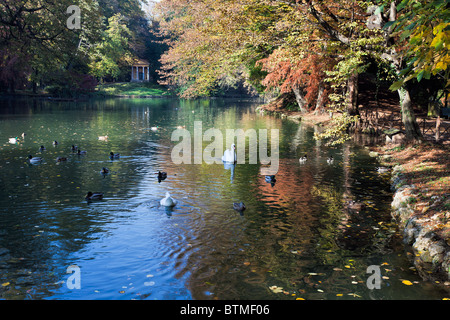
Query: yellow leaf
x=5, y=284
x=441, y=66
x=407, y=282
x=339, y=294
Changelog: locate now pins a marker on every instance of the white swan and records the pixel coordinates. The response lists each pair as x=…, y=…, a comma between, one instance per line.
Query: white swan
x=230, y=155
x=168, y=201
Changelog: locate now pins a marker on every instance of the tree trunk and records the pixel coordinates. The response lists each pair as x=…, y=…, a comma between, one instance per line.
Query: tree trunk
x=352, y=95
x=319, y=101
x=412, y=130
x=301, y=101
x=34, y=81
x=12, y=88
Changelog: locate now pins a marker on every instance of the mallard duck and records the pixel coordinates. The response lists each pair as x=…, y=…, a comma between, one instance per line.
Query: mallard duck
x=55, y=143
x=42, y=148
x=104, y=170
x=162, y=176
x=113, y=155
x=154, y=128
x=59, y=159
x=239, y=206
x=34, y=160
x=168, y=201
x=81, y=152
x=74, y=149
x=330, y=160
x=303, y=159
x=94, y=196
x=103, y=138
x=230, y=155
x=13, y=140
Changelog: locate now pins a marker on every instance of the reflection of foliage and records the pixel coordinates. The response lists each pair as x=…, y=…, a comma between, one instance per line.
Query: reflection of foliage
x=331, y=201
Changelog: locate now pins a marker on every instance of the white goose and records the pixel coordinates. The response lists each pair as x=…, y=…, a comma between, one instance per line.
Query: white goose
x=168, y=201
x=230, y=155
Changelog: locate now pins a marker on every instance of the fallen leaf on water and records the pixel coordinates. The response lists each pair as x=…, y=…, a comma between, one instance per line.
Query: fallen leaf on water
x=5, y=284
x=339, y=294
x=276, y=289
x=246, y=263
x=407, y=282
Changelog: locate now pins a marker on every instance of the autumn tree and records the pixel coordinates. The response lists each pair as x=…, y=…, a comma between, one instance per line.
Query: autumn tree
x=304, y=47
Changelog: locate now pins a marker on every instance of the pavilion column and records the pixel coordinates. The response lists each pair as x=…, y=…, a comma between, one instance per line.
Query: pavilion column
x=148, y=73
x=132, y=71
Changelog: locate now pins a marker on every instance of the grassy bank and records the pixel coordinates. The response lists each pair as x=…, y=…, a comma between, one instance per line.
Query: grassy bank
x=131, y=89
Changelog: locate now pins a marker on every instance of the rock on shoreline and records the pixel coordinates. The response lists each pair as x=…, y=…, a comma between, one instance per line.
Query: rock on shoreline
x=431, y=252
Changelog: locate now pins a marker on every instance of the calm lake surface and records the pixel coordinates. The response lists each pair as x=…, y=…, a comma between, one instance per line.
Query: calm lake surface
x=295, y=240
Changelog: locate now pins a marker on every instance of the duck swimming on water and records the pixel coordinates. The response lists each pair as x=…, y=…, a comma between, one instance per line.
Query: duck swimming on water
x=94, y=196
x=239, y=206
x=162, y=176
x=13, y=140
x=303, y=159
x=34, y=160
x=113, y=155
x=168, y=201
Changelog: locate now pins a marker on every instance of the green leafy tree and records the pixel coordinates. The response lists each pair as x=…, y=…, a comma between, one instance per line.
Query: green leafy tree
x=113, y=50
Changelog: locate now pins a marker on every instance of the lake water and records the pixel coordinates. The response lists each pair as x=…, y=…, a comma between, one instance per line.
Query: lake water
x=295, y=240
